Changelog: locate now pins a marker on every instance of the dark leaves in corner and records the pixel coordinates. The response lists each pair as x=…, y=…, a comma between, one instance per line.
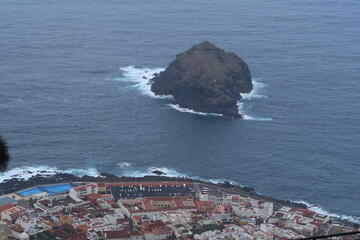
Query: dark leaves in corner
x=4, y=155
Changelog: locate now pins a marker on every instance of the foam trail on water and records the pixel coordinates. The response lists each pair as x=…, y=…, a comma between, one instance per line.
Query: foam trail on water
x=82, y=172
x=187, y=110
x=140, y=76
x=320, y=210
x=247, y=117
x=25, y=173
x=169, y=172
x=124, y=164
x=255, y=93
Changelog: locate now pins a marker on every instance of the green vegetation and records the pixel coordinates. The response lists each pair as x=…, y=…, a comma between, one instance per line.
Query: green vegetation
x=46, y=235
x=205, y=228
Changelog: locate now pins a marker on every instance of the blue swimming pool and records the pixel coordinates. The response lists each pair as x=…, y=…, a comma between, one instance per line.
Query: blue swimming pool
x=31, y=191
x=55, y=189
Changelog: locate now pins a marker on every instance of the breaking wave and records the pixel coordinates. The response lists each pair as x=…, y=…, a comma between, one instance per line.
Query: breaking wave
x=169, y=172
x=25, y=173
x=254, y=94
x=318, y=209
x=140, y=77
x=124, y=165
x=248, y=117
x=187, y=110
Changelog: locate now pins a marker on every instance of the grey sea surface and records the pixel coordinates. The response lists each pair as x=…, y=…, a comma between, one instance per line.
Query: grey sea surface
x=66, y=105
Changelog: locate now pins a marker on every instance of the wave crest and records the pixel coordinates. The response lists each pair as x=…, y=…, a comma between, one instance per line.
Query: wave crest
x=27, y=172
x=187, y=110
x=255, y=93
x=170, y=172
x=318, y=209
x=140, y=76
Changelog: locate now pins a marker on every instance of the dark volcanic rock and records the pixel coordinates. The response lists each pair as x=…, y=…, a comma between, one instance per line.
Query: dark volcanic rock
x=158, y=172
x=205, y=78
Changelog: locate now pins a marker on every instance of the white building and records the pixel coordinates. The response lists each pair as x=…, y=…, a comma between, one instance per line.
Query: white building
x=77, y=193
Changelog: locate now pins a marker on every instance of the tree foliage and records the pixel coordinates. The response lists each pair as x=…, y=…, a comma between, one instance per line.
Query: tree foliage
x=206, y=228
x=4, y=155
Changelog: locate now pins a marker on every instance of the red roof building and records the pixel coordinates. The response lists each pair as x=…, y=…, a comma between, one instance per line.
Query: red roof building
x=68, y=232
x=96, y=198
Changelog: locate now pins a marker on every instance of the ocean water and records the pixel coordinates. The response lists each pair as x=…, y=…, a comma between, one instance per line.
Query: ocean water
x=71, y=101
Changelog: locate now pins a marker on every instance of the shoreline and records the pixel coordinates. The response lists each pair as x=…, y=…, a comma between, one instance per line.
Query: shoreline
x=12, y=186
x=15, y=185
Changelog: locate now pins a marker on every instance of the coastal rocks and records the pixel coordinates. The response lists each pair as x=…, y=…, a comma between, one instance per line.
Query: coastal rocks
x=14, y=185
x=205, y=79
x=158, y=172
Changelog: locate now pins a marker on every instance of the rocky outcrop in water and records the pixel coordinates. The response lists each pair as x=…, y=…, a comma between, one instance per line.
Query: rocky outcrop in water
x=206, y=79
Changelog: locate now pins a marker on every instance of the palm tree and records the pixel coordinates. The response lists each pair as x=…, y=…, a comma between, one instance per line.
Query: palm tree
x=4, y=155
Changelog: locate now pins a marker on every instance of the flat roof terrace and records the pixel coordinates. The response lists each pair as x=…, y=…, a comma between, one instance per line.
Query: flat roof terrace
x=161, y=190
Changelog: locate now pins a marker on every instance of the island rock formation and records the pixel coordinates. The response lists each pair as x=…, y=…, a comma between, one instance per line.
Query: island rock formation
x=205, y=79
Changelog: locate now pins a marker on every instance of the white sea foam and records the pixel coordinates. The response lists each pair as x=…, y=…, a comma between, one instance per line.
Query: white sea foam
x=255, y=93
x=318, y=209
x=82, y=172
x=247, y=117
x=173, y=173
x=149, y=172
x=187, y=110
x=141, y=77
x=27, y=172
x=124, y=165
x=169, y=172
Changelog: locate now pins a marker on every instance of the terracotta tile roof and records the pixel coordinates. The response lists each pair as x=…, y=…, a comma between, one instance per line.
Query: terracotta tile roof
x=307, y=213
x=179, y=202
x=101, y=184
x=6, y=207
x=136, y=233
x=147, y=204
x=45, y=202
x=18, y=228
x=117, y=234
x=14, y=210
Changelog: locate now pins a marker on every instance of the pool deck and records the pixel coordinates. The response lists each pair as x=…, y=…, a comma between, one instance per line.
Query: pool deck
x=42, y=190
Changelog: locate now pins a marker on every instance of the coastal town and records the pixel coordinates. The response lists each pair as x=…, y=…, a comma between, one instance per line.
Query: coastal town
x=153, y=211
